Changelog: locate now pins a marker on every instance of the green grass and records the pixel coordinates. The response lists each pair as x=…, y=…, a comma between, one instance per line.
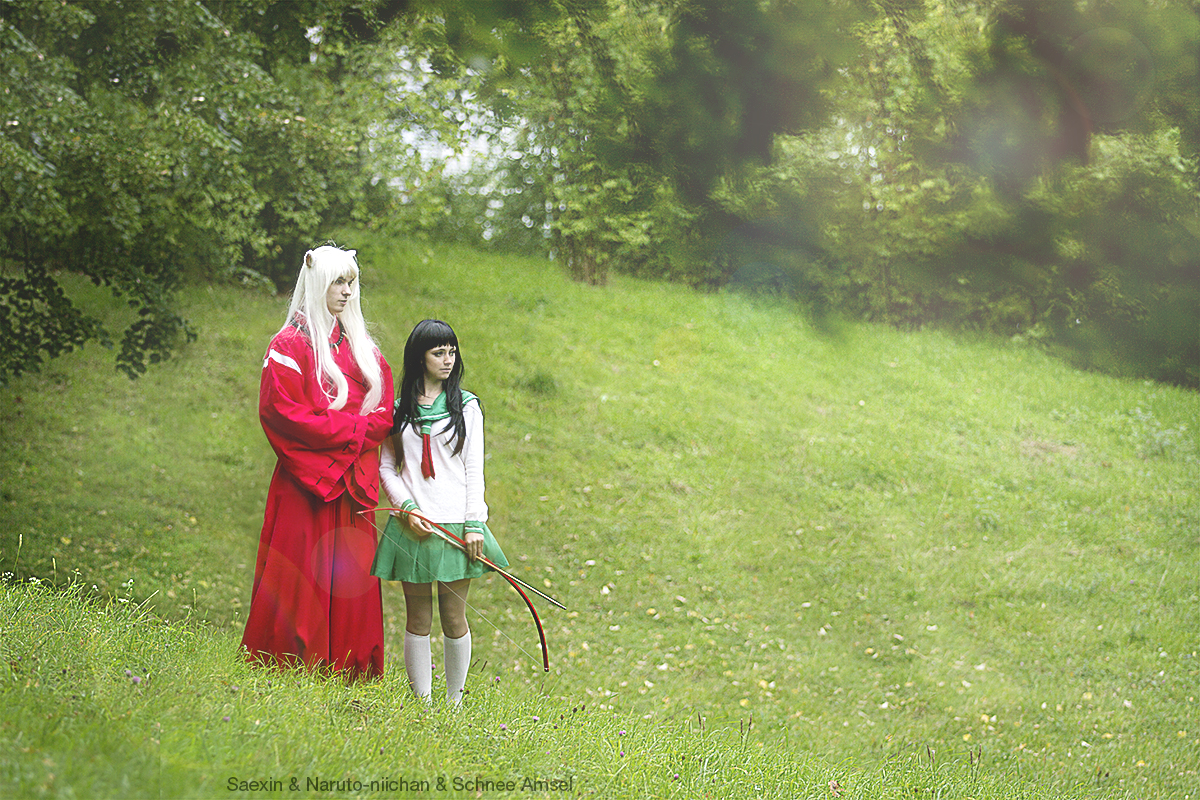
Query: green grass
x=106, y=700
x=856, y=554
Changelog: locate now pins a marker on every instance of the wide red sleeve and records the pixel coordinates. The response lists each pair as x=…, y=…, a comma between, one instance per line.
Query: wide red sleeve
x=379, y=422
x=364, y=486
x=314, y=443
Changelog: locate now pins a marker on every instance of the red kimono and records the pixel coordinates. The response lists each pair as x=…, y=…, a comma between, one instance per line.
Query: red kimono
x=314, y=600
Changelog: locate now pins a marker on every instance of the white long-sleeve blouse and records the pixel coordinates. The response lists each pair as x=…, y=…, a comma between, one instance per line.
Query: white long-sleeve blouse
x=455, y=493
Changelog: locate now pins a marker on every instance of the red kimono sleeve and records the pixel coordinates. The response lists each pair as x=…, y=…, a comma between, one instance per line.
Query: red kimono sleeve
x=364, y=482
x=315, y=444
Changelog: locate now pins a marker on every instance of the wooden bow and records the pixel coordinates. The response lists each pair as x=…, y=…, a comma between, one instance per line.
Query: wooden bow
x=513, y=580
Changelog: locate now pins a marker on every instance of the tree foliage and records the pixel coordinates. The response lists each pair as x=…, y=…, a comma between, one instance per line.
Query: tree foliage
x=985, y=165
x=1028, y=168
x=623, y=119
x=1018, y=169
x=146, y=141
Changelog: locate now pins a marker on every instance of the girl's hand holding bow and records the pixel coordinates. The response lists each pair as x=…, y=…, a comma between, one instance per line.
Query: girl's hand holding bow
x=474, y=548
x=420, y=528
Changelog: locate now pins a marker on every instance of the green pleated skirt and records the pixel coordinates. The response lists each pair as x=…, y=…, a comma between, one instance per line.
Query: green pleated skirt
x=402, y=557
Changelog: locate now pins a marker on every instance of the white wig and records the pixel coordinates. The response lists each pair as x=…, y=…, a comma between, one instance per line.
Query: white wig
x=310, y=313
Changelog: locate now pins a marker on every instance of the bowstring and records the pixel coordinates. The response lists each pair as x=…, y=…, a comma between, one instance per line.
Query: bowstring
x=383, y=534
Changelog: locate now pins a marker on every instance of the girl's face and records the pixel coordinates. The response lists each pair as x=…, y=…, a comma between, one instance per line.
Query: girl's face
x=439, y=363
x=339, y=293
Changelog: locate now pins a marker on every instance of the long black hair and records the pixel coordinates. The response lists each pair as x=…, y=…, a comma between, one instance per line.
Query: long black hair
x=427, y=335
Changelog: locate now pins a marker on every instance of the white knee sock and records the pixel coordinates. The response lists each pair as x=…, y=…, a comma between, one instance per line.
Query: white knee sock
x=418, y=662
x=458, y=661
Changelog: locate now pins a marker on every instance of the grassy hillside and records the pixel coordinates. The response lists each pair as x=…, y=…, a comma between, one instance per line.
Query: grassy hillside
x=878, y=548
x=111, y=702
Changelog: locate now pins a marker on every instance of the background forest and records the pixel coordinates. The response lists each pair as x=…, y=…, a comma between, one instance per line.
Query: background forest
x=1023, y=168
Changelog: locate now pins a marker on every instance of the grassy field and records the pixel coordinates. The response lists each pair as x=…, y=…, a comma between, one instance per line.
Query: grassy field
x=911, y=563
x=112, y=702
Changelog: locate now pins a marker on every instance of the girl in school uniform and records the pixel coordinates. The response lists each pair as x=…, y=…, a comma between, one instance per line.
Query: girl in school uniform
x=433, y=464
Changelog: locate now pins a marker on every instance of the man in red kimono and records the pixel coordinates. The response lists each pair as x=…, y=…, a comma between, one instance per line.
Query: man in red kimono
x=325, y=402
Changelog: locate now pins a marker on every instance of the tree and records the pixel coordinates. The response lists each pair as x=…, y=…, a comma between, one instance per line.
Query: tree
x=146, y=141
x=153, y=140
x=987, y=164
x=626, y=116
x=1016, y=168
